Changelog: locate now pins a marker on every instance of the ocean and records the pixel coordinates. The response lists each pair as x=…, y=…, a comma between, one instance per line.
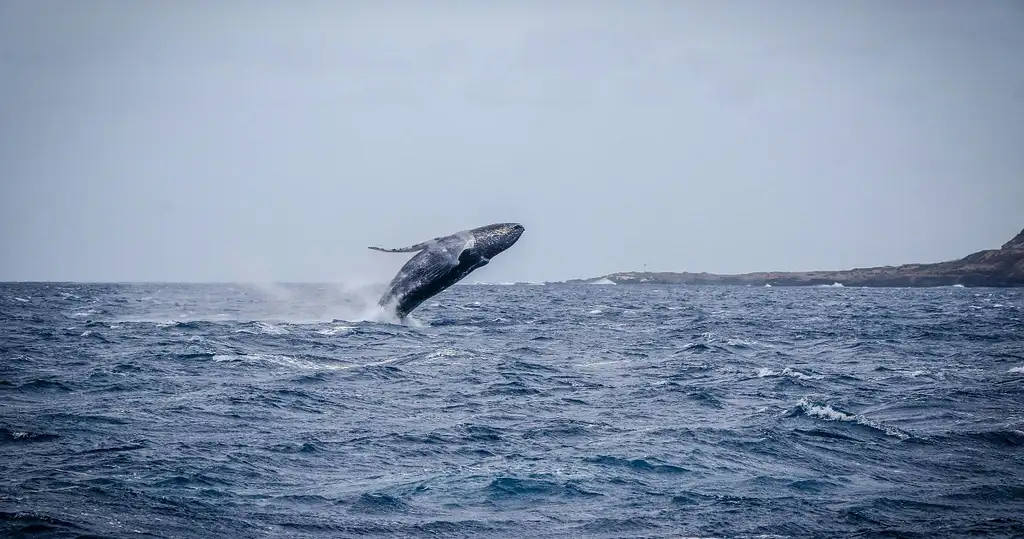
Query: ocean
x=230, y=410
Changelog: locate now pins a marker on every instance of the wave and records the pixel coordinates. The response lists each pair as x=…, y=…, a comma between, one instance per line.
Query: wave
x=828, y=413
x=676, y=411
x=765, y=372
x=280, y=360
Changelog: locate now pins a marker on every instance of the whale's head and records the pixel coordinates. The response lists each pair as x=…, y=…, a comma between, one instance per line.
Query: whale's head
x=493, y=239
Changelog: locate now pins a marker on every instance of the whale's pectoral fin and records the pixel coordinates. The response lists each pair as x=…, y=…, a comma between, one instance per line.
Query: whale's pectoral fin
x=409, y=249
x=413, y=248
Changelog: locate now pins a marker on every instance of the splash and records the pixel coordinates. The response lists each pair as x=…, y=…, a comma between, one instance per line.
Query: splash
x=269, y=305
x=351, y=302
x=374, y=312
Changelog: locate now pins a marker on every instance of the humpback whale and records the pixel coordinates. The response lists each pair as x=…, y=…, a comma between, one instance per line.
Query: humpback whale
x=442, y=262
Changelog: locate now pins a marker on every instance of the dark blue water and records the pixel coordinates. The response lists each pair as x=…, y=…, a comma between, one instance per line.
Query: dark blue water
x=514, y=411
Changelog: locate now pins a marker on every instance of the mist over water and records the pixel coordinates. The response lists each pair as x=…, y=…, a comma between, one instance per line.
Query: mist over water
x=356, y=302
x=261, y=301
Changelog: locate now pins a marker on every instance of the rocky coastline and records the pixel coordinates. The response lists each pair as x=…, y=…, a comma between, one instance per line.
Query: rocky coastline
x=1003, y=267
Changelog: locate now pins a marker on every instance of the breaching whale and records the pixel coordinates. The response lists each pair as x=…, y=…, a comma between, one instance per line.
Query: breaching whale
x=442, y=262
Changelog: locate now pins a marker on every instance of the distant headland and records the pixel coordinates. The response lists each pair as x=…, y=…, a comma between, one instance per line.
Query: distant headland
x=1003, y=267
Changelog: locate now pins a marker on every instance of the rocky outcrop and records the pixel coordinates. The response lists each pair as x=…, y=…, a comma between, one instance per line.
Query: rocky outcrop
x=1016, y=243
x=994, y=267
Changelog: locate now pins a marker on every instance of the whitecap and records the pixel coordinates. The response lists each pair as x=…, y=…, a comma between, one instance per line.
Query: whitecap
x=599, y=363
x=264, y=328
x=334, y=330
x=792, y=373
x=1016, y=370
x=828, y=413
x=280, y=360
x=442, y=353
x=765, y=372
x=742, y=343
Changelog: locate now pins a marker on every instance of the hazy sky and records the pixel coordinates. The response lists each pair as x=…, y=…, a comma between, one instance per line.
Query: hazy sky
x=241, y=140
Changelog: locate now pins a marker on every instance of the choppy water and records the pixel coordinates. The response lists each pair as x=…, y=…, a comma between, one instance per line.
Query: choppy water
x=514, y=411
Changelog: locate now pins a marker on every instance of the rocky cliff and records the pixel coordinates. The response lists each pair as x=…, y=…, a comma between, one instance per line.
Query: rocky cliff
x=994, y=267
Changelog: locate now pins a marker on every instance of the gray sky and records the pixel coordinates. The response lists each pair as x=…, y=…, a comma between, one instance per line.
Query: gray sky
x=234, y=140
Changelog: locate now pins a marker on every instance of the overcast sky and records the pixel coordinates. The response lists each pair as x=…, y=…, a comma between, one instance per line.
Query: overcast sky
x=231, y=140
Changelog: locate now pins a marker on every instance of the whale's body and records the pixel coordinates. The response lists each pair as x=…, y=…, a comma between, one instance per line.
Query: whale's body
x=442, y=262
